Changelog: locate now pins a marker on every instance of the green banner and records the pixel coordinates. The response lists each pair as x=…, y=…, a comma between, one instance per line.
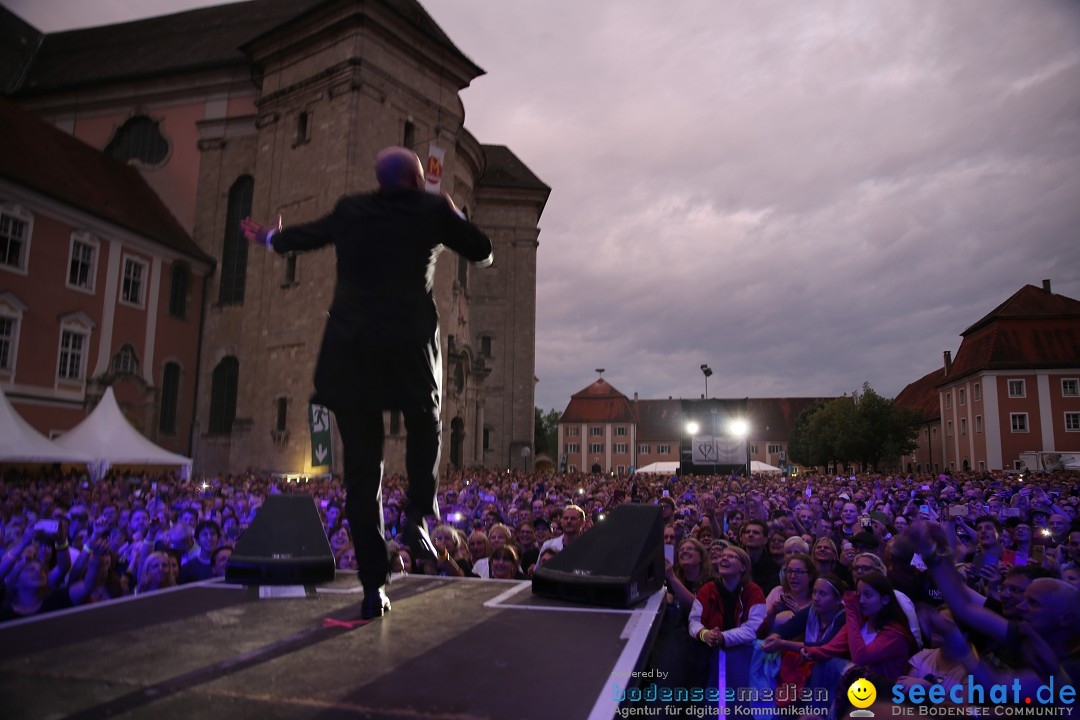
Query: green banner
x=322, y=439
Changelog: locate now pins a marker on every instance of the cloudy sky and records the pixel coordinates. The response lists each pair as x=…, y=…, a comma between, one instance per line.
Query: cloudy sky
x=804, y=195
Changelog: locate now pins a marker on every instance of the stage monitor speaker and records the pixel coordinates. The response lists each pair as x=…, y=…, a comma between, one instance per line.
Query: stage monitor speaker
x=285, y=545
x=617, y=563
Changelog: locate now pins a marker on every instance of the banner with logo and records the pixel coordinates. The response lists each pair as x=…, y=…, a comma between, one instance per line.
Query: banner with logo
x=718, y=450
x=435, y=168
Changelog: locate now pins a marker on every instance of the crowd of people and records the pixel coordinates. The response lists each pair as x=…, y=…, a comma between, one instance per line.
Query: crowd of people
x=772, y=581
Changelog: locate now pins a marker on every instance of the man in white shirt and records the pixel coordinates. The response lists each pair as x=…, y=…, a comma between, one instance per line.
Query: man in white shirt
x=573, y=524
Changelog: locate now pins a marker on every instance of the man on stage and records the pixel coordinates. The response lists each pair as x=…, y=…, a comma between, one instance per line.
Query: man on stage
x=380, y=349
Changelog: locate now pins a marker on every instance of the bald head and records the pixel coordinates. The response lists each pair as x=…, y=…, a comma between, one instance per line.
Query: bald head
x=1051, y=605
x=399, y=168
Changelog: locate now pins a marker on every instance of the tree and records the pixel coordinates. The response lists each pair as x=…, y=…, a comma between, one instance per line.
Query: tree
x=546, y=432
x=865, y=428
x=799, y=442
x=883, y=430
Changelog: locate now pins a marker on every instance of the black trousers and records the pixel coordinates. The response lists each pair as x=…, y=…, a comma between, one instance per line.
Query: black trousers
x=362, y=437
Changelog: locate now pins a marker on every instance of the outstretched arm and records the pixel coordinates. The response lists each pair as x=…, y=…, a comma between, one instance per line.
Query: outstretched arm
x=929, y=540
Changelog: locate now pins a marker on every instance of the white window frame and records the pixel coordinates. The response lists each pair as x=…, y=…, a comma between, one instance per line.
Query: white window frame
x=11, y=308
x=663, y=449
x=1023, y=388
x=573, y=447
x=1075, y=386
x=961, y=396
x=596, y=431
x=948, y=428
x=90, y=241
x=143, y=283
x=982, y=466
x=77, y=323
x=948, y=399
x=621, y=469
x=976, y=392
x=963, y=426
x=11, y=341
x=1013, y=417
x=596, y=448
x=20, y=213
x=84, y=349
x=622, y=448
x=774, y=449
x=621, y=430
x=978, y=425
x=572, y=430
x=1076, y=421
x=643, y=448
x=124, y=362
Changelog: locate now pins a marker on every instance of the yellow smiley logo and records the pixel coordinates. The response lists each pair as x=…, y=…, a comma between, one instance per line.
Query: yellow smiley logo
x=862, y=693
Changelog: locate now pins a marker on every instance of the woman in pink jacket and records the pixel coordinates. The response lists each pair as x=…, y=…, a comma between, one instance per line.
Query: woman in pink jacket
x=875, y=634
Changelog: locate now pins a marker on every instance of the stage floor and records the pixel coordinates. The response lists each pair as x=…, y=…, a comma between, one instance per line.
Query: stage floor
x=451, y=648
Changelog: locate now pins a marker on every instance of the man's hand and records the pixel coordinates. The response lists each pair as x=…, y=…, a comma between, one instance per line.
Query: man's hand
x=254, y=232
x=928, y=537
x=771, y=643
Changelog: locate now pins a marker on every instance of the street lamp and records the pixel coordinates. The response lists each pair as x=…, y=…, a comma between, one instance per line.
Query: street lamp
x=706, y=371
x=740, y=429
x=692, y=428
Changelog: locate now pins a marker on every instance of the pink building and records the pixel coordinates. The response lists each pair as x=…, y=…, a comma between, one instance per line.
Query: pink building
x=99, y=285
x=603, y=427
x=1014, y=387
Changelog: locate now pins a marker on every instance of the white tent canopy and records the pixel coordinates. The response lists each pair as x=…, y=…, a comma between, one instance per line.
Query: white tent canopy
x=108, y=437
x=663, y=468
x=21, y=443
x=760, y=467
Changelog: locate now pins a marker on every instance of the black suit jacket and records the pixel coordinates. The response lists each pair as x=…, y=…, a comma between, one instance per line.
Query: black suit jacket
x=381, y=343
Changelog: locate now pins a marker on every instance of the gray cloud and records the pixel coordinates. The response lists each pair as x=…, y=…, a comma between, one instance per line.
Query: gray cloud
x=802, y=195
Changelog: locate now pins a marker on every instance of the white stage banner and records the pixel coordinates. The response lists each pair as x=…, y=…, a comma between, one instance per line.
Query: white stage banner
x=718, y=450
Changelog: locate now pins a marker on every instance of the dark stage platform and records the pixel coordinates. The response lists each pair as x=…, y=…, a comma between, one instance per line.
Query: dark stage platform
x=451, y=648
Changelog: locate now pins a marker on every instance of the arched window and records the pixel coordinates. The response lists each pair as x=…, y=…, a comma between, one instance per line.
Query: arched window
x=457, y=441
x=178, y=291
x=463, y=272
x=459, y=378
x=125, y=362
x=234, y=249
x=223, y=395
x=16, y=229
x=139, y=139
x=170, y=399
x=281, y=414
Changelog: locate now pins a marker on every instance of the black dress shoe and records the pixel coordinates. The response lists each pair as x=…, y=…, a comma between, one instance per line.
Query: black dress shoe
x=415, y=536
x=375, y=604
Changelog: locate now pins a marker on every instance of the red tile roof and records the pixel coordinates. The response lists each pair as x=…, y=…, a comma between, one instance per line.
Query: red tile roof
x=504, y=169
x=598, y=403
x=1033, y=329
x=775, y=417
x=36, y=155
x=922, y=396
x=1030, y=302
x=658, y=419
x=192, y=40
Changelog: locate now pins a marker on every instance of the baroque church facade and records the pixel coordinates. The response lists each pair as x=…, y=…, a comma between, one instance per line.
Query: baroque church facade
x=274, y=107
